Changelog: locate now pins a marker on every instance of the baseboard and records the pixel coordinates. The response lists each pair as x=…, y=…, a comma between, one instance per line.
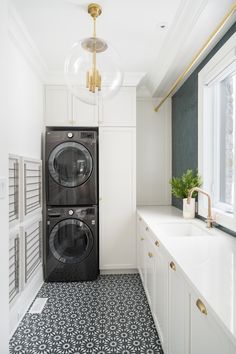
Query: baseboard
x=20, y=306
x=118, y=271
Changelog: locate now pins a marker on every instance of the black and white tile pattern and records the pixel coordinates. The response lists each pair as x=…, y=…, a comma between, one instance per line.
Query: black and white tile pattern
x=109, y=315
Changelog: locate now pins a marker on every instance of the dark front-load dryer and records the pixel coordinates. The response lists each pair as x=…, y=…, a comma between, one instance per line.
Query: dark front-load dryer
x=71, y=167
x=71, y=244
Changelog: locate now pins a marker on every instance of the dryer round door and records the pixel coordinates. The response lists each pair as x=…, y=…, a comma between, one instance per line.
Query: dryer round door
x=71, y=241
x=70, y=164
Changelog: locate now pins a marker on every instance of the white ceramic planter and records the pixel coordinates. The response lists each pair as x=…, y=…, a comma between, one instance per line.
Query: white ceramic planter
x=189, y=209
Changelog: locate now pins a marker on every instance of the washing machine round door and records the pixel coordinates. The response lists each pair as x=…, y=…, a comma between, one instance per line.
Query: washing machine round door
x=71, y=241
x=70, y=164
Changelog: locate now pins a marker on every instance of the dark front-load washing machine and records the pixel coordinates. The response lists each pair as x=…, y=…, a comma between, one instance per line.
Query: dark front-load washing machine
x=71, y=244
x=71, y=167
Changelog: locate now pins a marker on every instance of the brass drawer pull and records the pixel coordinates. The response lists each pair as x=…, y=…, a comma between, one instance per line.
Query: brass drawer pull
x=142, y=239
x=157, y=243
x=150, y=254
x=201, y=307
x=173, y=266
x=147, y=229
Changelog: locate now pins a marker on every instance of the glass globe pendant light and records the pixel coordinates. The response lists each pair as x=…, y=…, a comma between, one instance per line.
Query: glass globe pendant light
x=92, y=67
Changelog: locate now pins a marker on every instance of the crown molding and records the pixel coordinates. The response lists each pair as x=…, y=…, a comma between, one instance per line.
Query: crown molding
x=189, y=13
x=130, y=78
x=19, y=36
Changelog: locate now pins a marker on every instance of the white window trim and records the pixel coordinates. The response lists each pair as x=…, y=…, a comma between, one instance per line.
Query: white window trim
x=225, y=57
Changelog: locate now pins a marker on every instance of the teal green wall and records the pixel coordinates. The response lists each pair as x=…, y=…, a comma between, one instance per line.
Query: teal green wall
x=185, y=120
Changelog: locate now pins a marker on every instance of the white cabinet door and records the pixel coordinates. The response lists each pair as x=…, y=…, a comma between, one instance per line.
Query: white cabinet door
x=118, y=198
x=57, y=106
x=149, y=264
x=119, y=110
x=141, y=250
x=160, y=304
x=206, y=336
x=178, y=307
x=84, y=115
x=63, y=109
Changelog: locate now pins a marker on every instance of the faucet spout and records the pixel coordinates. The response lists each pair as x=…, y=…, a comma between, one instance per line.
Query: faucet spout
x=209, y=219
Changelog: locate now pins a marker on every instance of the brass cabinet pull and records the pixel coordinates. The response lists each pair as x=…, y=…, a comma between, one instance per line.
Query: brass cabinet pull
x=150, y=254
x=173, y=266
x=142, y=239
x=147, y=229
x=140, y=219
x=201, y=306
x=157, y=243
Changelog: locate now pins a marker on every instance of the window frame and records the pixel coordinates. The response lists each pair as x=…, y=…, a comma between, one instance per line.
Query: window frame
x=216, y=66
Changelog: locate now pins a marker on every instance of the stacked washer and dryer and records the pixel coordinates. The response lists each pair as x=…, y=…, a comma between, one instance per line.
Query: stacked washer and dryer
x=71, y=210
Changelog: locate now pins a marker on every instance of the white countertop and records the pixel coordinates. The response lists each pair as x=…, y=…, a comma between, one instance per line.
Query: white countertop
x=209, y=262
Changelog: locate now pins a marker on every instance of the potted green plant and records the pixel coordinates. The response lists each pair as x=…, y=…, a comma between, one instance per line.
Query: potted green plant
x=180, y=187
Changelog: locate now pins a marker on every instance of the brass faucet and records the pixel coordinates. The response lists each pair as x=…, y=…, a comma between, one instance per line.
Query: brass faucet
x=209, y=219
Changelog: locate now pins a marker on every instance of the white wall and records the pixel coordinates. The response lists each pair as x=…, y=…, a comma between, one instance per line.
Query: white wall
x=24, y=130
x=153, y=153
x=4, y=318
x=26, y=106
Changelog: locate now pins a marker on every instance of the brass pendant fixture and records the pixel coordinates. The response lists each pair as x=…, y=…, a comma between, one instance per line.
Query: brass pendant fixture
x=94, y=45
x=92, y=67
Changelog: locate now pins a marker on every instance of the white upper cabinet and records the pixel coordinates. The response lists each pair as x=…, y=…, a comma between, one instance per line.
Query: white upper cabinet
x=63, y=109
x=119, y=110
x=57, y=106
x=84, y=114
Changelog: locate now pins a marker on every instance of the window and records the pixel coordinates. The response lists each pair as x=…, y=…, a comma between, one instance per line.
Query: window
x=217, y=133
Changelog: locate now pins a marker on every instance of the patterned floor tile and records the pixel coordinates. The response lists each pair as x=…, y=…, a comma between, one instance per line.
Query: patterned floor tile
x=109, y=315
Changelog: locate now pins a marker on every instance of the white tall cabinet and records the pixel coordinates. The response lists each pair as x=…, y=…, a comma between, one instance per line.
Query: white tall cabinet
x=117, y=198
x=116, y=121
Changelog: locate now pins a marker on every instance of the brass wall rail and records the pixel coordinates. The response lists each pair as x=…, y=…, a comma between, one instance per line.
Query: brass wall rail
x=198, y=55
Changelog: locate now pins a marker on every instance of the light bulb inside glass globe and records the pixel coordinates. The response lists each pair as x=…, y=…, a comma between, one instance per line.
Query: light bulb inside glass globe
x=92, y=70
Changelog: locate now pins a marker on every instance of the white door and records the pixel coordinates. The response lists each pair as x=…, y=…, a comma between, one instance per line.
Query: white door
x=118, y=198
x=206, y=336
x=178, y=306
x=160, y=304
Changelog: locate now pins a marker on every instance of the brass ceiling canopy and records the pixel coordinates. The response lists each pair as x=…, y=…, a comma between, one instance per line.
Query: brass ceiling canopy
x=94, y=10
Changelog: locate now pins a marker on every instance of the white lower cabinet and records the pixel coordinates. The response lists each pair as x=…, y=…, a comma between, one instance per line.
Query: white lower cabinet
x=117, y=193
x=150, y=268
x=160, y=305
x=206, y=335
x=178, y=308
x=183, y=325
x=141, y=250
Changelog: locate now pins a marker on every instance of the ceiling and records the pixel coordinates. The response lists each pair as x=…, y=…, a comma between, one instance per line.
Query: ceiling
x=133, y=28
